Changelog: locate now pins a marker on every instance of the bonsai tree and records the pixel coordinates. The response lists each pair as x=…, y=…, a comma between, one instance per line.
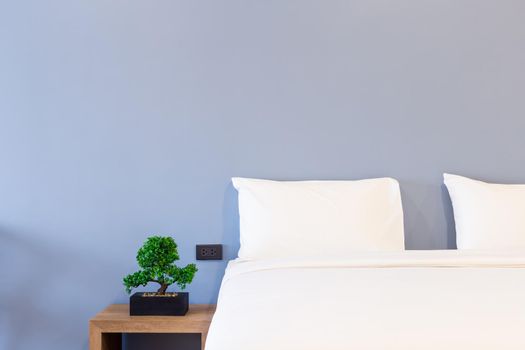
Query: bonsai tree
x=156, y=259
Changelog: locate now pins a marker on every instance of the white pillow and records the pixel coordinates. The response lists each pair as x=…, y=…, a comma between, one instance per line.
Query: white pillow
x=488, y=216
x=312, y=218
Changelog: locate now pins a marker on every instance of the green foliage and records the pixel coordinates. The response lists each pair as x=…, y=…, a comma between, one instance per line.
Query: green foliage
x=156, y=259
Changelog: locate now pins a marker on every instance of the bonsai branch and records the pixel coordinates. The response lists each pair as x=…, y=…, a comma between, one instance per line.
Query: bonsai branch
x=162, y=289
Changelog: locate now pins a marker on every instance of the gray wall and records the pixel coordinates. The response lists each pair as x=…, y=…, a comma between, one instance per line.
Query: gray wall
x=122, y=119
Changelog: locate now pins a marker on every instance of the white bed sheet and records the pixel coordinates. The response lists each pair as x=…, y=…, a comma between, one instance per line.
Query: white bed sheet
x=443, y=299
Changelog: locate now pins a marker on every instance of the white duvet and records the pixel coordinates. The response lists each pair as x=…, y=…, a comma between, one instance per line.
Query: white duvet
x=424, y=300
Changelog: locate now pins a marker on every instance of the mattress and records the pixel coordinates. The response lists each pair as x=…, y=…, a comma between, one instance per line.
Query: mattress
x=428, y=300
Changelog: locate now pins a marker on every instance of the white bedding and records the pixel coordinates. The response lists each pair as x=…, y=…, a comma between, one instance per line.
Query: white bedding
x=422, y=300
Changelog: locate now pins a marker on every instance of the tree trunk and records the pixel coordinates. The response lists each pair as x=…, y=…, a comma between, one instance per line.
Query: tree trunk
x=162, y=289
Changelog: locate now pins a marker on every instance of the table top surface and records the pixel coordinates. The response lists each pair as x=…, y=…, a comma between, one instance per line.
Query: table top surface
x=116, y=318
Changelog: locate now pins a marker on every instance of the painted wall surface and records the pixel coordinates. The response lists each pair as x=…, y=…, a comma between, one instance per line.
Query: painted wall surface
x=123, y=119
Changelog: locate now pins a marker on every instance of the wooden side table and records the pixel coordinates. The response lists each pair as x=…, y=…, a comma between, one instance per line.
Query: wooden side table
x=106, y=328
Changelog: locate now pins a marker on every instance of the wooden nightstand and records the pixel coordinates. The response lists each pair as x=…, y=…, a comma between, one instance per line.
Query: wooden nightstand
x=106, y=328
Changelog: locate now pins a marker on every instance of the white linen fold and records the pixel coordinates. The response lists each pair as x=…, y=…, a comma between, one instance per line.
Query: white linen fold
x=394, y=259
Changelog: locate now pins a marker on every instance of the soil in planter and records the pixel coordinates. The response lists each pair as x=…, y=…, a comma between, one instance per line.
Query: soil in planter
x=153, y=294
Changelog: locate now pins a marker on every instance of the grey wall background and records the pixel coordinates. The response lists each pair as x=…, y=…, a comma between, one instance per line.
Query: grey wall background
x=122, y=119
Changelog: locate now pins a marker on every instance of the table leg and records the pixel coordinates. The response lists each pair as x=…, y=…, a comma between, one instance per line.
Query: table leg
x=95, y=338
x=203, y=339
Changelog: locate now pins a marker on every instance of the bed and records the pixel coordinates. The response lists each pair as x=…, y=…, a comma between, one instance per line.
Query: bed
x=322, y=265
x=442, y=299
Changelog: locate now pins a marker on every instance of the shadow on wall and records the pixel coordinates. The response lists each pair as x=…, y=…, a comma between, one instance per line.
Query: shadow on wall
x=230, y=219
x=449, y=217
x=47, y=298
x=421, y=230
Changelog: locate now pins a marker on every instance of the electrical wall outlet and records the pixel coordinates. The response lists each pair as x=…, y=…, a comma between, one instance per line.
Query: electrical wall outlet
x=209, y=251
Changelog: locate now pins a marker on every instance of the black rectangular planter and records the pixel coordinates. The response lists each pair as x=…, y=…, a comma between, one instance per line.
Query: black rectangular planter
x=140, y=305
